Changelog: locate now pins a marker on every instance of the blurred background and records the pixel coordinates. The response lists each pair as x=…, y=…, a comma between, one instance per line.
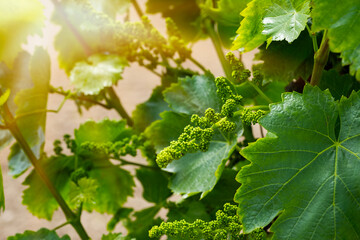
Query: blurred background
x=135, y=87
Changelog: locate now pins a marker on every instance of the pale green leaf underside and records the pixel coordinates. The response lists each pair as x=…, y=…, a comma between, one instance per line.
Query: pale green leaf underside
x=285, y=20
x=301, y=172
x=18, y=19
x=343, y=24
x=98, y=72
x=272, y=21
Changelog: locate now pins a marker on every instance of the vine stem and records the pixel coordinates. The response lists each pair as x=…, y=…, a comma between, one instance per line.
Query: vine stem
x=74, y=97
x=209, y=26
x=15, y=131
x=137, y=8
x=313, y=37
x=114, y=101
x=261, y=93
x=320, y=60
x=199, y=65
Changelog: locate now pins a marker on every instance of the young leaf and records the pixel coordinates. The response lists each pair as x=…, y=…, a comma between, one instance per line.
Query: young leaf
x=155, y=185
x=98, y=72
x=83, y=192
x=83, y=30
x=26, y=16
x=343, y=29
x=43, y=233
x=302, y=172
x=271, y=20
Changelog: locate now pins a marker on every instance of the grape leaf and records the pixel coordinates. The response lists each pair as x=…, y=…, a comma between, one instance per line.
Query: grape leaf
x=302, y=172
x=192, y=95
x=194, y=172
x=43, y=234
x=271, y=20
x=199, y=172
x=26, y=16
x=149, y=111
x=144, y=220
x=102, y=132
x=188, y=209
x=284, y=62
x=161, y=132
x=115, y=236
x=98, y=72
x=37, y=196
x=83, y=30
x=121, y=214
x=155, y=185
x=116, y=185
x=111, y=7
x=227, y=12
x=2, y=196
x=29, y=92
x=343, y=29
x=338, y=85
x=83, y=192
x=185, y=13
x=285, y=19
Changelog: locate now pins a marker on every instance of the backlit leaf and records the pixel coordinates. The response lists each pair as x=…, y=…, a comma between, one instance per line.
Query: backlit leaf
x=98, y=72
x=18, y=19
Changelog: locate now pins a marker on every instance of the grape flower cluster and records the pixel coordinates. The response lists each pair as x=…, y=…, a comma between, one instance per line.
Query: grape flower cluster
x=227, y=225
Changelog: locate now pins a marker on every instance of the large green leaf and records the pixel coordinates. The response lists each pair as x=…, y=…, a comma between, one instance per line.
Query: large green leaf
x=143, y=222
x=149, y=111
x=18, y=19
x=343, y=24
x=28, y=100
x=284, y=62
x=43, y=234
x=115, y=186
x=37, y=196
x=302, y=172
x=338, y=85
x=271, y=20
x=98, y=72
x=161, y=132
x=83, y=30
x=198, y=172
x=154, y=183
x=193, y=95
